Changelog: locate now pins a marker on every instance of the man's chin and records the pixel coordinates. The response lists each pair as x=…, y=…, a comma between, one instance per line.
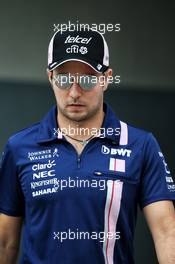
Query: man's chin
x=77, y=117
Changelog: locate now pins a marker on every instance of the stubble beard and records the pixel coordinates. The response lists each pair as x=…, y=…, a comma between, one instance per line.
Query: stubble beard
x=77, y=116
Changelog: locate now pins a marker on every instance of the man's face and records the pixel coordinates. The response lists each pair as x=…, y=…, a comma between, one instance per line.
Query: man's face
x=75, y=103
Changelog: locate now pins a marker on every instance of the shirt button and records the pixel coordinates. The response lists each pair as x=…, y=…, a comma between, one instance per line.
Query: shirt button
x=98, y=173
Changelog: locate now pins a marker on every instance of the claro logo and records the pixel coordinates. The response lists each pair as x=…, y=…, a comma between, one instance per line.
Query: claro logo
x=44, y=166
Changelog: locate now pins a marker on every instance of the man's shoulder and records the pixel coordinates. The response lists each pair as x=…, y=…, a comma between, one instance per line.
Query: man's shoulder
x=127, y=128
x=24, y=135
x=137, y=133
x=137, y=130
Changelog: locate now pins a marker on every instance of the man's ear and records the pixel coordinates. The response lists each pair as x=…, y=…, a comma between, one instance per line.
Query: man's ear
x=49, y=74
x=108, y=75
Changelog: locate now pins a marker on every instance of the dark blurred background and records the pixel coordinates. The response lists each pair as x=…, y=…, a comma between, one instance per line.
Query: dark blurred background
x=142, y=53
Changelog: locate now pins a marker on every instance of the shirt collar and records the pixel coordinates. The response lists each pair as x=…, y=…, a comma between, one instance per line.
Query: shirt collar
x=111, y=124
x=48, y=127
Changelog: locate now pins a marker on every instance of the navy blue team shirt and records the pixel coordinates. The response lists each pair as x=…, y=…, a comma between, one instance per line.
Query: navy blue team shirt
x=81, y=208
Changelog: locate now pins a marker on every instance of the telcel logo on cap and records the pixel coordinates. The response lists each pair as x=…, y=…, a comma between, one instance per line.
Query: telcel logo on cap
x=77, y=39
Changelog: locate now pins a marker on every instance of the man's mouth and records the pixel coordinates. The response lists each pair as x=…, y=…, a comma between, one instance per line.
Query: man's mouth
x=75, y=105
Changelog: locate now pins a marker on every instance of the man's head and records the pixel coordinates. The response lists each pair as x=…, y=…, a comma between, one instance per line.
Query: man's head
x=78, y=67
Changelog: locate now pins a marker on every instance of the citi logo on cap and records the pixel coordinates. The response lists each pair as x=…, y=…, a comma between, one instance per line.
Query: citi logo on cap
x=77, y=49
x=77, y=39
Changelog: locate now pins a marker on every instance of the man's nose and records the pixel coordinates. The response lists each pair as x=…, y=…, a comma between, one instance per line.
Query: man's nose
x=75, y=90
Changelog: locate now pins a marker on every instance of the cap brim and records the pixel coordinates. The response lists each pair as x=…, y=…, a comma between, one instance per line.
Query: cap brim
x=54, y=65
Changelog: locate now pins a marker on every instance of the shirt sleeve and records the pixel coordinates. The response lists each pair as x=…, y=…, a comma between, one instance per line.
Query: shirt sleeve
x=11, y=197
x=156, y=181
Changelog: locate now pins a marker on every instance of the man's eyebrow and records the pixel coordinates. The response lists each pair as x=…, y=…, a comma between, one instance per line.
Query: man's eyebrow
x=62, y=72
x=89, y=73
x=94, y=73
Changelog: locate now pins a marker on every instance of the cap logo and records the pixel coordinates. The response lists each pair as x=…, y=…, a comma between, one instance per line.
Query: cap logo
x=83, y=50
x=77, y=39
x=99, y=66
x=77, y=49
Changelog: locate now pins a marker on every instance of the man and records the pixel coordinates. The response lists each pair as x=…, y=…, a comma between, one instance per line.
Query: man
x=74, y=180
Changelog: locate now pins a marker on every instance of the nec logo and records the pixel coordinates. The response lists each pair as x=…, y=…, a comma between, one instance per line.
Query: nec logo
x=43, y=174
x=77, y=39
x=114, y=151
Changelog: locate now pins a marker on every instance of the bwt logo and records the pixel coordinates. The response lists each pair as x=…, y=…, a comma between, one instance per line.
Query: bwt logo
x=77, y=49
x=113, y=151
